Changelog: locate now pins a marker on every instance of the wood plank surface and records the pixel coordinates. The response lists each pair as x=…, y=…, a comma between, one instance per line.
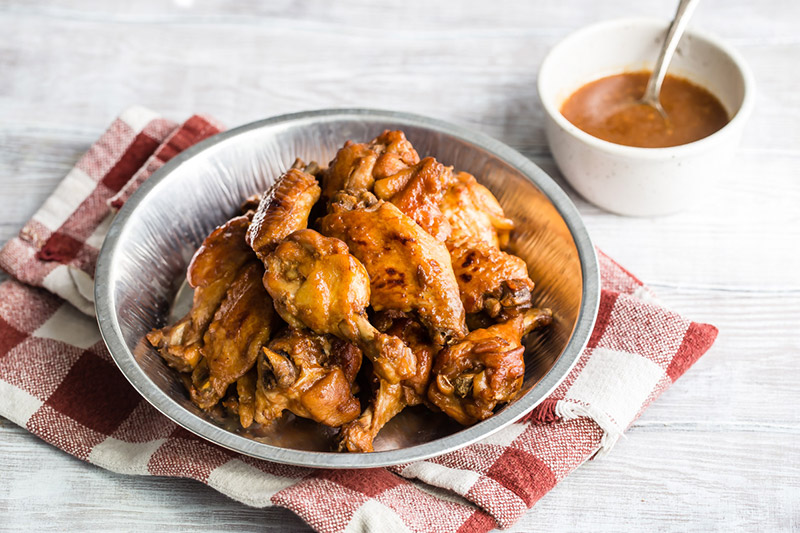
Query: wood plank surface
x=717, y=452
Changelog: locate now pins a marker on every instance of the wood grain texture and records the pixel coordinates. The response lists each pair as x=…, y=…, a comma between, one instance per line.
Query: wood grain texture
x=717, y=452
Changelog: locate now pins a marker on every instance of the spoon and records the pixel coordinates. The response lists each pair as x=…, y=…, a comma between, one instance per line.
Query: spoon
x=674, y=34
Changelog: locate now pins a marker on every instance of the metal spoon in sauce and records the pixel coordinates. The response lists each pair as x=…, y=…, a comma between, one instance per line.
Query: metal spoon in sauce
x=674, y=34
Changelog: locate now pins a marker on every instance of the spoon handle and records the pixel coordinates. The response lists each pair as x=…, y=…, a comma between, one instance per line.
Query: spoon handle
x=676, y=29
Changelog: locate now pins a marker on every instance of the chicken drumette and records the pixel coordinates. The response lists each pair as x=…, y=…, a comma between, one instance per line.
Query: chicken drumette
x=357, y=165
x=489, y=279
x=471, y=378
x=316, y=283
x=308, y=374
x=408, y=269
x=388, y=399
x=212, y=270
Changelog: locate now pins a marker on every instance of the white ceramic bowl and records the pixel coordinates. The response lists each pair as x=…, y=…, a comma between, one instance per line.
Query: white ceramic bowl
x=642, y=181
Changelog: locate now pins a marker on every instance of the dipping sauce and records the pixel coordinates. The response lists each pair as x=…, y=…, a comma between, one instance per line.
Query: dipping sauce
x=607, y=109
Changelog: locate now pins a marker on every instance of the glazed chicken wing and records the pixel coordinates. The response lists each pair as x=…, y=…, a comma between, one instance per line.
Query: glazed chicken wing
x=308, y=374
x=241, y=326
x=474, y=213
x=389, y=399
x=485, y=369
x=317, y=284
x=408, y=269
x=357, y=165
x=489, y=279
x=283, y=210
x=211, y=272
x=417, y=192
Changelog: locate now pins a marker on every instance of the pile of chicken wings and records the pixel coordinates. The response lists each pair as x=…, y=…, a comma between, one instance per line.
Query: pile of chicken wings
x=400, y=295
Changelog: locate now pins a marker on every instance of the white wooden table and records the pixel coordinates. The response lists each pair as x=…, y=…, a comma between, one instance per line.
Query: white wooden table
x=718, y=451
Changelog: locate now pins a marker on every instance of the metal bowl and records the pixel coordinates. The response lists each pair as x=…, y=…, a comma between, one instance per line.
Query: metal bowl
x=143, y=262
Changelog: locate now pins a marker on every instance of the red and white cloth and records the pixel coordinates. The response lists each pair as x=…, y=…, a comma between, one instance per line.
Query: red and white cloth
x=58, y=380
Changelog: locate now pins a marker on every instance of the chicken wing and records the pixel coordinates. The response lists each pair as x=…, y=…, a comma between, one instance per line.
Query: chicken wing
x=489, y=279
x=317, y=284
x=417, y=192
x=311, y=375
x=389, y=399
x=283, y=210
x=211, y=271
x=471, y=378
x=240, y=327
x=474, y=213
x=357, y=165
x=409, y=270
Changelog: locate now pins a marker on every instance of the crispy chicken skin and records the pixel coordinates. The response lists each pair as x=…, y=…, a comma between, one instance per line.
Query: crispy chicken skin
x=409, y=270
x=316, y=283
x=471, y=378
x=388, y=399
x=211, y=271
x=241, y=326
x=357, y=165
x=417, y=192
x=489, y=279
x=311, y=375
x=283, y=210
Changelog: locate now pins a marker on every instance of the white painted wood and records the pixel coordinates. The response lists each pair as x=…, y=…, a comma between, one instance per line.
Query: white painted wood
x=717, y=452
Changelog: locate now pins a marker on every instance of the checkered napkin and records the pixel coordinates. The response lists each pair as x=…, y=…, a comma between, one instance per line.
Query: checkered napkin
x=58, y=381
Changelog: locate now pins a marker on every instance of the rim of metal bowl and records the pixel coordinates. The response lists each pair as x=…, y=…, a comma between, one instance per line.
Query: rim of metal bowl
x=112, y=334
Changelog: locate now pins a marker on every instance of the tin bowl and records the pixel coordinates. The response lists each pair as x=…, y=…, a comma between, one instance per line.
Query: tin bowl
x=142, y=267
